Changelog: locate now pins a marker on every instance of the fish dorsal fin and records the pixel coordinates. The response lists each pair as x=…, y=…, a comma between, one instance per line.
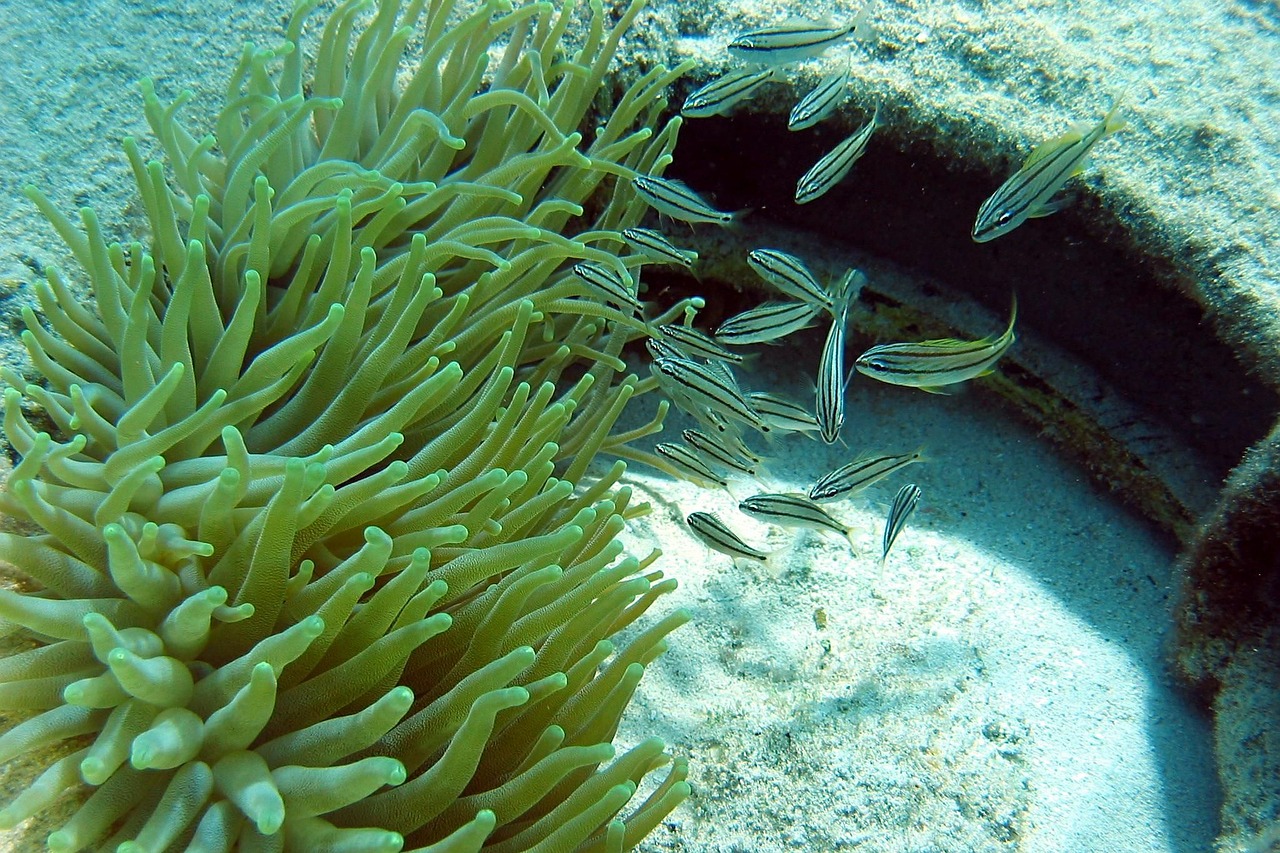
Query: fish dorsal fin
x=944, y=342
x=799, y=21
x=681, y=186
x=1044, y=149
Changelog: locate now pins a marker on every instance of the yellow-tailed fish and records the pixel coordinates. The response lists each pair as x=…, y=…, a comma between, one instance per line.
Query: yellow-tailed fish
x=608, y=283
x=698, y=344
x=904, y=503
x=714, y=451
x=732, y=438
x=677, y=200
x=782, y=413
x=689, y=465
x=657, y=247
x=820, y=102
x=719, y=96
x=790, y=276
x=829, y=411
x=930, y=365
x=834, y=165
x=766, y=323
x=1028, y=193
x=662, y=349
x=795, y=40
x=707, y=387
x=859, y=474
x=788, y=510
x=717, y=536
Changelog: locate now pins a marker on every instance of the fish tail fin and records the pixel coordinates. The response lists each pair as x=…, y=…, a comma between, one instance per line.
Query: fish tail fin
x=1115, y=120
x=773, y=562
x=734, y=223
x=861, y=26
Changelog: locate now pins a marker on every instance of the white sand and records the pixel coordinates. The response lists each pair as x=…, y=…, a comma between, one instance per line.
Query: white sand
x=999, y=686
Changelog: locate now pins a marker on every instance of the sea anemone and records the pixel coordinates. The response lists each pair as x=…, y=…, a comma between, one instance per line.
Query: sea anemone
x=309, y=553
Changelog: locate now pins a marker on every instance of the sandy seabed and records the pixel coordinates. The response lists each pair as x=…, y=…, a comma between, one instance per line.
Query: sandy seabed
x=998, y=685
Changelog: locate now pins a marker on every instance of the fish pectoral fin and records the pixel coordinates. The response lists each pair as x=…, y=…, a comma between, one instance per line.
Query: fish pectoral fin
x=1049, y=207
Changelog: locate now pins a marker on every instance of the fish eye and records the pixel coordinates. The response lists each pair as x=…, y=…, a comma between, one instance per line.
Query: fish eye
x=877, y=363
x=1004, y=218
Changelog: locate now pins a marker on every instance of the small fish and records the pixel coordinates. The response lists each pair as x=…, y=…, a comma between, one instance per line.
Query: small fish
x=904, y=503
x=718, y=537
x=787, y=510
x=713, y=450
x=790, y=276
x=659, y=348
x=1029, y=192
x=930, y=365
x=676, y=200
x=732, y=437
x=796, y=40
x=719, y=96
x=657, y=247
x=832, y=168
x=707, y=387
x=689, y=465
x=859, y=474
x=782, y=413
x=697, y=344
x=609, y=283
x=832, y=381
x=820, y=102
x=766, y=323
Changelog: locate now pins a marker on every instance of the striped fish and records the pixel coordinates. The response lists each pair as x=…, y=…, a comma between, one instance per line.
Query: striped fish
x=820, y=102
x=904, y=503
x=707, y=387
x=787, y=510
x=731, y=436
x=930, y=365
x=782, y=413
x=790, y=276
x=676, y=200
x=719, y=96
x=857, y=475
x=718, y=537
x=766, y=323
x=697, y=344
x=797, y=40
x=689, y=465
x=714, y=451
x=831, y=381
x=832, y=168
x=659, y=348
x=657, y=247
x=1029, y=192
x=609, y=283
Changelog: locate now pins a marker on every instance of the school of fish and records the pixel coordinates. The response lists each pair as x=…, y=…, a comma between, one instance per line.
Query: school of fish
x=695, y=368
